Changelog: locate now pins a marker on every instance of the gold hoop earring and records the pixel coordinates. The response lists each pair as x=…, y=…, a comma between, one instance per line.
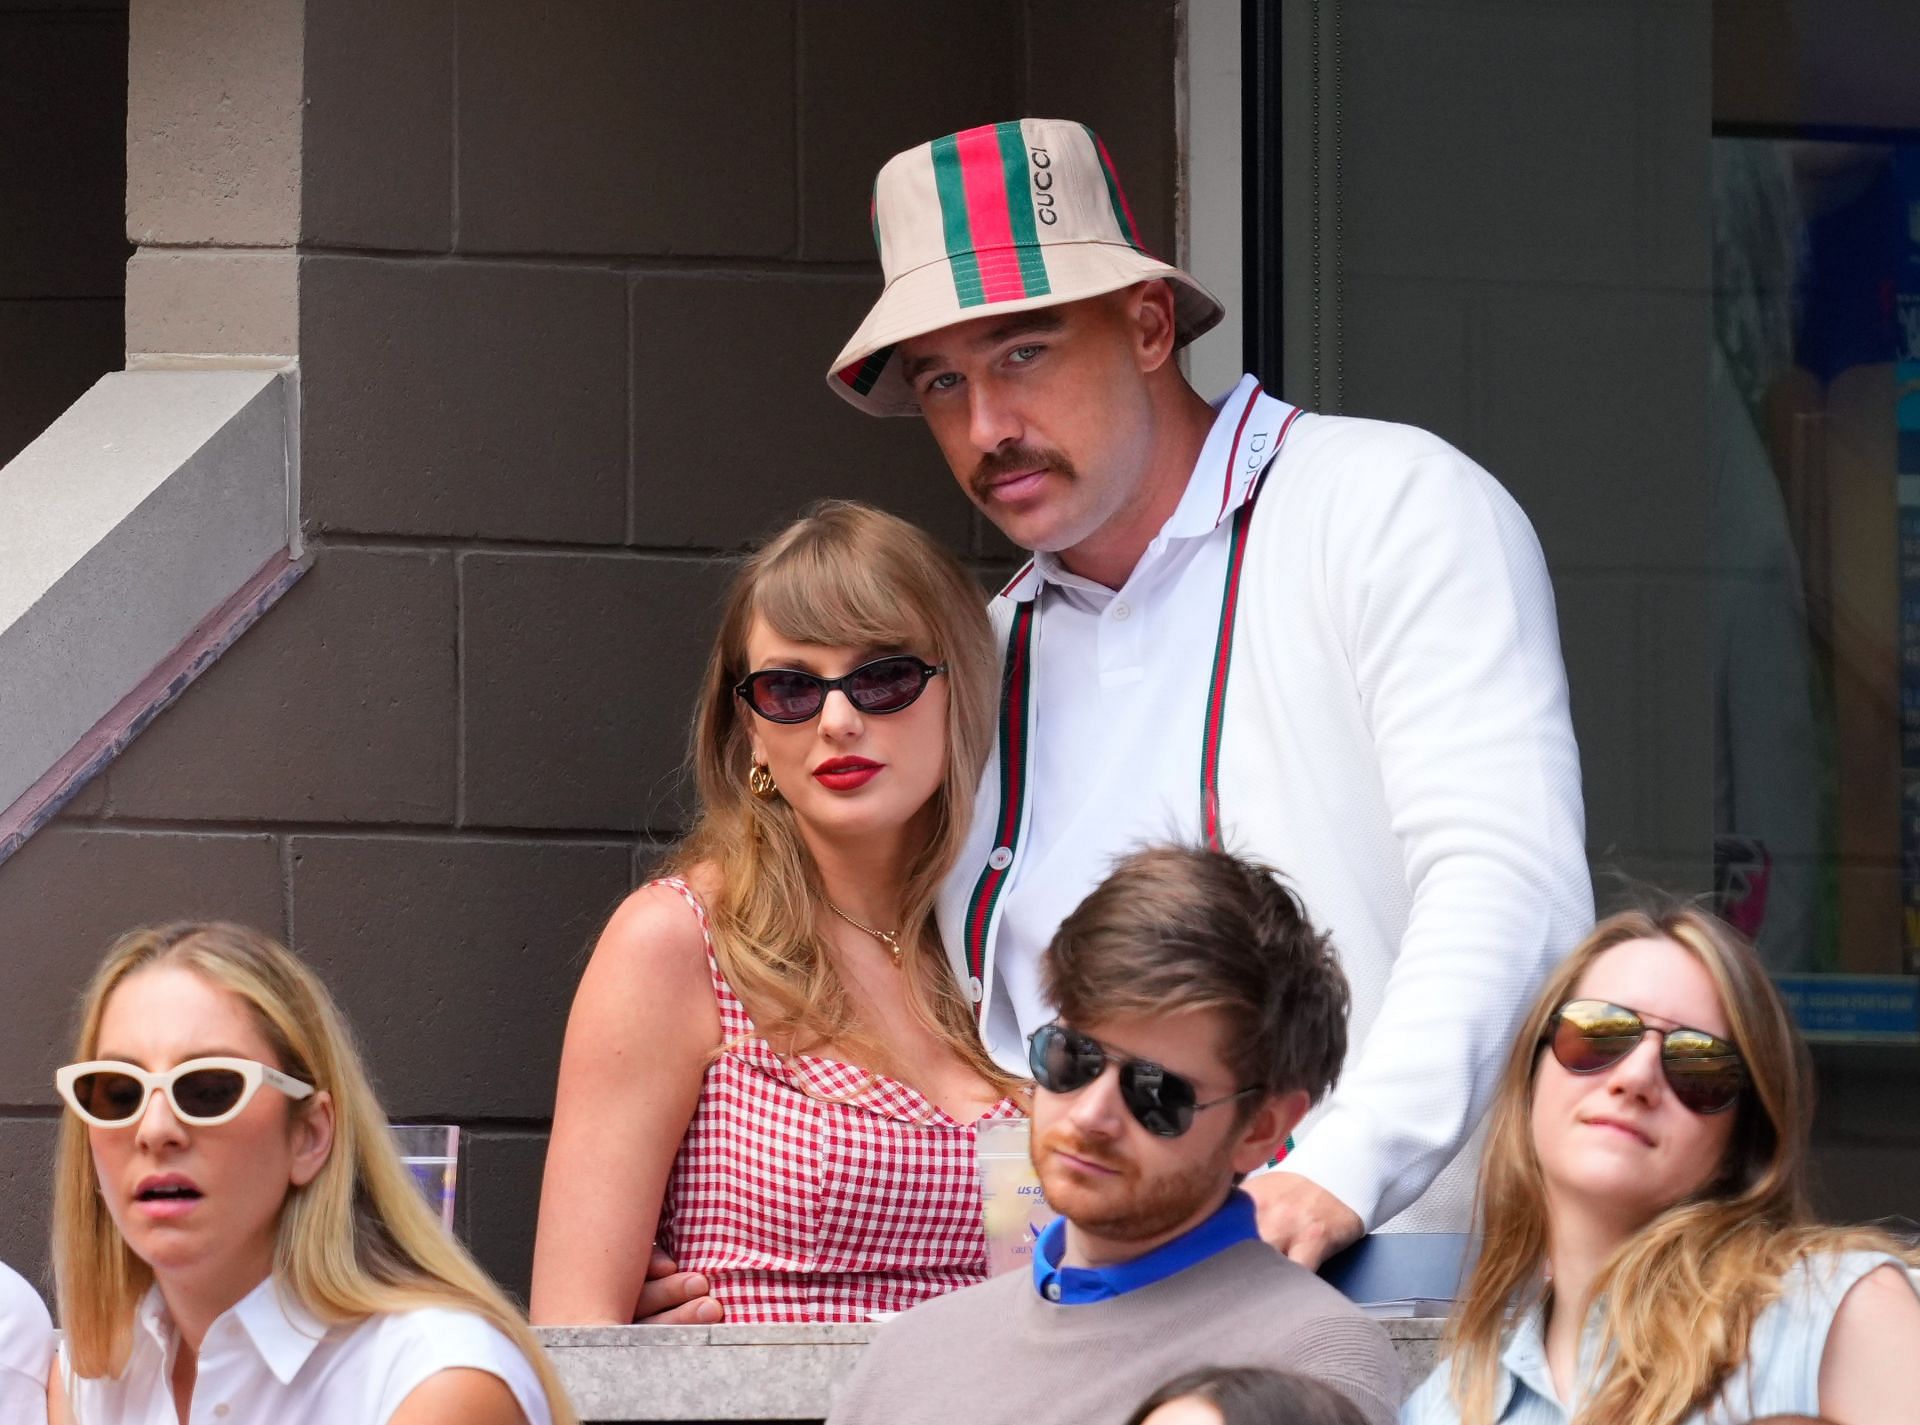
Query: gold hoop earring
x=760, y=781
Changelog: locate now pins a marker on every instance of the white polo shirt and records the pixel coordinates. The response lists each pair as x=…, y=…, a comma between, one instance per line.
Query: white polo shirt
x=26, y=1348
x=270, y=1360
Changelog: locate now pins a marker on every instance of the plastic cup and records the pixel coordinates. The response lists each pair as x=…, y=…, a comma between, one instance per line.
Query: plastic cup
x=1014, y=1211
x=431, y=1152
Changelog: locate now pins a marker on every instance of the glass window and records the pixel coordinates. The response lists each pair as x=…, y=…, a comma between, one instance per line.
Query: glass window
x=1816, y=426
x=1657, y=266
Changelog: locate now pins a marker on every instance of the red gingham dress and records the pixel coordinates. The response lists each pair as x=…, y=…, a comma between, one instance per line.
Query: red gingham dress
x=807, y=1189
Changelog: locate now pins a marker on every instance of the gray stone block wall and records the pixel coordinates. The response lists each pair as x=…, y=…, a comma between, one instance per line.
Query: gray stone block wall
x=566, y=281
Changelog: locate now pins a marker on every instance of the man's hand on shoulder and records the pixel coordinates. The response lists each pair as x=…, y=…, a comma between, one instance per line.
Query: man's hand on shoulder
x=1301, y=1218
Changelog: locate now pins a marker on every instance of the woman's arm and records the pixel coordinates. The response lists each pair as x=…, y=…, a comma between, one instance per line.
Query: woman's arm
x=1870, y=1370
x=643, y=1026
x=57, y=1411
x=460, y=1396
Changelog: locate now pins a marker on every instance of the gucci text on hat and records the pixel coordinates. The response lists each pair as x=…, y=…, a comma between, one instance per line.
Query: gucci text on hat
x=1002, y=218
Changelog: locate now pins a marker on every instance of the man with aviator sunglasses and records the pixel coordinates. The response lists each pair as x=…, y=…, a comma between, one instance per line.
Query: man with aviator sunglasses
x=1200, y=1016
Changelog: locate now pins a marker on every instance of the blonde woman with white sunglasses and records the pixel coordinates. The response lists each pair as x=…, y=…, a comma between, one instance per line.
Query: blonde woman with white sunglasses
x=233, y=1225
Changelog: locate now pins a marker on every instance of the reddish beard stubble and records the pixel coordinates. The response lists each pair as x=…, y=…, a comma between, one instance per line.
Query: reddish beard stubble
x=1128, y=1207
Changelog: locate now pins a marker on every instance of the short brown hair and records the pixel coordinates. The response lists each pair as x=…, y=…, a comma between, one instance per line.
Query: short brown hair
x=1181, y=928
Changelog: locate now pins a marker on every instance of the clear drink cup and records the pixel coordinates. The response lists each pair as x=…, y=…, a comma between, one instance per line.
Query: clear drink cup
x=1012, y=1205
x=431, y=1152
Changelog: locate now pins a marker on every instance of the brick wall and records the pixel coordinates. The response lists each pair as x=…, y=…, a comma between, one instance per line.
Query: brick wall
x=567, y=279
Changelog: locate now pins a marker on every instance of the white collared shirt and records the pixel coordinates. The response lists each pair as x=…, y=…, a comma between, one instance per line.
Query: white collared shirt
x=268, y=1361
x=26, y=1347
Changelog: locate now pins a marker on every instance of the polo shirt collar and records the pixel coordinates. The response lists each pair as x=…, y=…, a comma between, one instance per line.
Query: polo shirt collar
x=1233, y=1223
x=154, y=1322
x=281, y=1331
x=1204, y=505
x=1210, y=501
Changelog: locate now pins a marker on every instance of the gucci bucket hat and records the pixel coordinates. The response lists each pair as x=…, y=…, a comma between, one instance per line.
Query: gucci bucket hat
x=1002, y=218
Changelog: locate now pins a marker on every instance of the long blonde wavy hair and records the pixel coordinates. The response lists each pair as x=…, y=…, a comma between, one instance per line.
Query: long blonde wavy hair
x=1681, y=1295
x=357, y=1240
x=843, y=575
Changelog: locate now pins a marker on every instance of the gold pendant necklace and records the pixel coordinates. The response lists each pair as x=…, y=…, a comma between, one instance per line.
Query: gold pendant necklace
x=888, y=938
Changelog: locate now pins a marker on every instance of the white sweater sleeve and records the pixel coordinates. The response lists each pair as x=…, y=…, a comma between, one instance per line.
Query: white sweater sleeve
x=1438, y=593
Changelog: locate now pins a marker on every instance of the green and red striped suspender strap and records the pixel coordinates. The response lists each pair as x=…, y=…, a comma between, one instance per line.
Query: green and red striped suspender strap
x=1016, y=694
x=1223, y=645
x=1016, y=688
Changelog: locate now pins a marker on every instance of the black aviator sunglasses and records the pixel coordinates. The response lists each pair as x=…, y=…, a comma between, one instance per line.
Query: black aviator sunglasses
x=885, y=685
x=1063, y=1060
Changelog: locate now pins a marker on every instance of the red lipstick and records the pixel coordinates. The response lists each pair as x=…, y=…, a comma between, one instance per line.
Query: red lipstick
x=846, y=774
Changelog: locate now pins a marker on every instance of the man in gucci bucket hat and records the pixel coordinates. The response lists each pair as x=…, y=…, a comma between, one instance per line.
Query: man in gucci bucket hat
x=1323, y=642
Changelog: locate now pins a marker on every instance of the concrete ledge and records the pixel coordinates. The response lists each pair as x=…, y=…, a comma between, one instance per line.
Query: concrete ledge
x=157, y=500
x=620, y=1374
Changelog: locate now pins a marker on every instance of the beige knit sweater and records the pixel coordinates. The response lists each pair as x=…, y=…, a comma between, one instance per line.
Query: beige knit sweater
x=997, y=1354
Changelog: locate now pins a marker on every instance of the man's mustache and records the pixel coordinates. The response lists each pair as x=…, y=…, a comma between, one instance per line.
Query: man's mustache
x=1072, y=1144
x=1010, y=459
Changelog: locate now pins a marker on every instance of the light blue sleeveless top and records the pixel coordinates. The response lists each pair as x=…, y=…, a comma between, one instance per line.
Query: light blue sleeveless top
x=1780, y=1376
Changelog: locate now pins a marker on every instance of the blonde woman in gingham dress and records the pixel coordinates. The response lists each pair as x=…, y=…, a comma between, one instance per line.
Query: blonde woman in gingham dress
x=771, y=1082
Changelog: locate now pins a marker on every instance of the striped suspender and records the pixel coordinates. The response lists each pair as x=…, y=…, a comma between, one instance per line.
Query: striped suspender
x=1016, y=700
x=1016, y=687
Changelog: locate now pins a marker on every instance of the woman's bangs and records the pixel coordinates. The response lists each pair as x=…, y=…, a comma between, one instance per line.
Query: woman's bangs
x=812, y=597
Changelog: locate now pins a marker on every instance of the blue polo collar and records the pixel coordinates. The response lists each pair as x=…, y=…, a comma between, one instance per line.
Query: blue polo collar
x=1235, y=1222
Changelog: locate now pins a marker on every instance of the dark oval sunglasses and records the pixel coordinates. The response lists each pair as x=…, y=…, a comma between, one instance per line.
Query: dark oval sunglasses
x=1588, y=1035
x=1063, y=1060
x=886, y=685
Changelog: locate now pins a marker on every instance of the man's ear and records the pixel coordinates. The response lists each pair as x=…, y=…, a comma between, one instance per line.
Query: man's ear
x=312, y=1138
x=1150, y=323
x=1266, y=1129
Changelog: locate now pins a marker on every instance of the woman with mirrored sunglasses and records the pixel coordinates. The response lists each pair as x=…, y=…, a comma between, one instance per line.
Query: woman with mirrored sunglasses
x=1649, y=1256
x=769, y=1053
x=232, y=1219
